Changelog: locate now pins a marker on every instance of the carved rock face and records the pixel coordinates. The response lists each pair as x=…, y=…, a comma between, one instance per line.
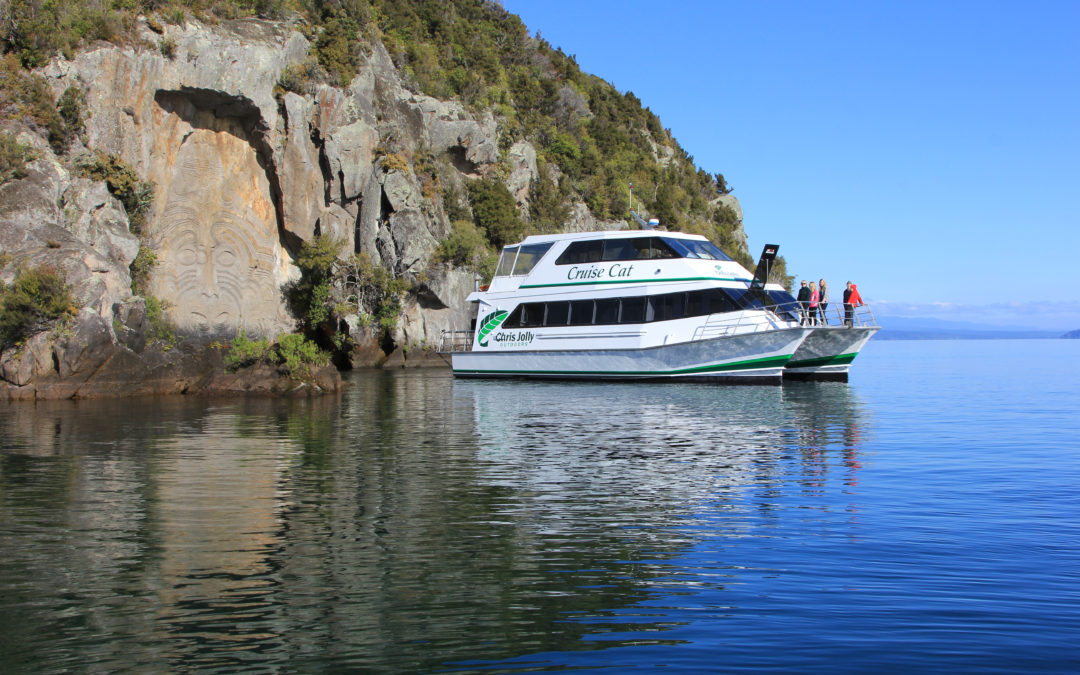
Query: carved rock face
x=220, y=263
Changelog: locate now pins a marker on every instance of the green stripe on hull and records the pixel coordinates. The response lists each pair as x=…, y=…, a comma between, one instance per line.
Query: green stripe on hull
x=838, y=360
x=630, y=281
x=769, y=362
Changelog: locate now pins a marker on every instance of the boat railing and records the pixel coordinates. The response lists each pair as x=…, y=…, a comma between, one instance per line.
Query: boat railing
x=782, y=315
x=835, y=314
x=451, y=341
x=736, y=323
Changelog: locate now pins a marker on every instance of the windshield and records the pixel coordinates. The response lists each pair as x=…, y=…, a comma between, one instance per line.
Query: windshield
x=528, y=256
x=694, y=248
x=785, y=304
x=506, y=261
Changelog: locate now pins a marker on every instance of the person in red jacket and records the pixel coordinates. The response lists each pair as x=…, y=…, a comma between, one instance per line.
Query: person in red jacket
x=852, y=299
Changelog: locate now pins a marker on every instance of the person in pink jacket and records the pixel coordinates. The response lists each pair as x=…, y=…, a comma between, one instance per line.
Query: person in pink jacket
x=814, y=301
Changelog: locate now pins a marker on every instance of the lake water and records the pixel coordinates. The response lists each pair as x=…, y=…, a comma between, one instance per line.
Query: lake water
x=924, y=516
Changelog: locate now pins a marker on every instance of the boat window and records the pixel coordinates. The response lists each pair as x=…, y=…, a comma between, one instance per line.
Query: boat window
x=581, y=312
x=528, y=256
x=582, y=252
x=654, y=248
x=709, y=301
x=532, y=314
x=506, y=261
x=697, y=304
x=620, y=249
x=607, y=310
x=694, y=248
x=513, y=320
x=666, y=307
x=633, y=310
x=557, y=313
x=643, y=309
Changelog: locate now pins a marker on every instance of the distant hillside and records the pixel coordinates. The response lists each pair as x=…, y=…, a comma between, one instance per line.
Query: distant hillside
x=913, y=328
x=1072, y=335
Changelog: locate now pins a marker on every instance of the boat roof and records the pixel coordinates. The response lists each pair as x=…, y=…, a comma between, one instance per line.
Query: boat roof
x=605, y=234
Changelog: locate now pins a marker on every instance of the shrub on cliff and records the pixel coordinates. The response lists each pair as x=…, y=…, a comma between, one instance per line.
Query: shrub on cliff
x=70, y=106
x=26, y=97
x=134, y=193
x=494, y=211
x=14, y=157
x=332, y=288
x=371, y=292
x=36, y=298
x=291, y=352
x=467, y=247
x=336, y=48
x=309, y=298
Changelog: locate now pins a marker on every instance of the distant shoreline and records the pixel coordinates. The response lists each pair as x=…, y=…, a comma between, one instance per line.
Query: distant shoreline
x=886, y=334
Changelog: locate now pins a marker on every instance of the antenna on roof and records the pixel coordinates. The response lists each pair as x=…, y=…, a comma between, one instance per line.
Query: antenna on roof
x=653, y=222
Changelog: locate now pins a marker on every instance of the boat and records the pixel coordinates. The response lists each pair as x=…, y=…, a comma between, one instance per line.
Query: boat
x=626, y=305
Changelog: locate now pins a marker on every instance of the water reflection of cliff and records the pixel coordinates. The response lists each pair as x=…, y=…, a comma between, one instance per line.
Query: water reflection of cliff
x=414, y=522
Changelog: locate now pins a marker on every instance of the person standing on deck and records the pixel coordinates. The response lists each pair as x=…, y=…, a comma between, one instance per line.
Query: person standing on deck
x=823, y=301
x=804, y=303
x=852, y=299
x=813, y=304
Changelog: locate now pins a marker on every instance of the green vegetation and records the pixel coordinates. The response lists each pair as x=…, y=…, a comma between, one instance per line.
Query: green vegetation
x=167, y=47
x=301, y=78
x=70, y=106
x=371, y=292
x=494, y=211
x=37, y=298
x=140, y=269
x=291, y=352
x=36, y=30
x=331, y=288
x=135, y=194
x=160, y=330
x=14, y=156
x=25, y=96
x=310, y=298
x=336, y=47
x=468, y=247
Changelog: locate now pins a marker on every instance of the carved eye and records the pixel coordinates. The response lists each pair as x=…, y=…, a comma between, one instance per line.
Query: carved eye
x=225, y=258
x=187, y=256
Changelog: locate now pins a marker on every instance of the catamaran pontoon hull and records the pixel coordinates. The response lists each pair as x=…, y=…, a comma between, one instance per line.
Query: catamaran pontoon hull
x=751, y=358
x=827, y=353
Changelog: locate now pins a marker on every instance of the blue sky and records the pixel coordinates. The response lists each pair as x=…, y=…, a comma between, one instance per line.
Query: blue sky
x=928, y=151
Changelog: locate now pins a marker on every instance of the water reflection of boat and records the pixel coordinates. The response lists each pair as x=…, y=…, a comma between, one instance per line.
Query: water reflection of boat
x=684, y=442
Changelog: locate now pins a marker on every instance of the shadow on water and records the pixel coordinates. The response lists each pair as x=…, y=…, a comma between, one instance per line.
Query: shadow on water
x=416, y=523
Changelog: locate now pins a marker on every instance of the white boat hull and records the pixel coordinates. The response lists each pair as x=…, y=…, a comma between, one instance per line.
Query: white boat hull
x=756, y=358
x=827, y=353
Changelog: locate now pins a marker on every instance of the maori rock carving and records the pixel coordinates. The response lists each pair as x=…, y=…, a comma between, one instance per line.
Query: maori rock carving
x=220, y=262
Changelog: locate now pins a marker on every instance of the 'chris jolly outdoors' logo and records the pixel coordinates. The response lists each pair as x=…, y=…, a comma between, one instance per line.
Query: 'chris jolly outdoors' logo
x=505, y=339
x=488, y=324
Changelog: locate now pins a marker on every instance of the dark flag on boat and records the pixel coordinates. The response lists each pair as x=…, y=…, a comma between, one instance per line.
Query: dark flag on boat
x=761, y=274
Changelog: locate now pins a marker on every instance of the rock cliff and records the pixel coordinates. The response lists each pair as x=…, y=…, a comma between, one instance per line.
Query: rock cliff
x=243, y=173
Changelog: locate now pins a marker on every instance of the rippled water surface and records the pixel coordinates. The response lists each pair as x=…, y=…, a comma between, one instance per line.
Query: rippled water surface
x=925, y=516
